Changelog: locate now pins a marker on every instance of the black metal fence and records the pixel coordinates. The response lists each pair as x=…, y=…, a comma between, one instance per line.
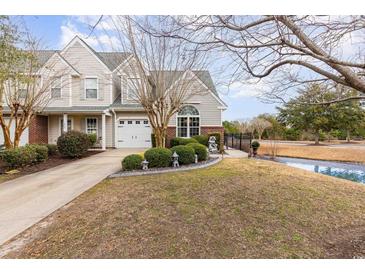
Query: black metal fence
x=238, y=141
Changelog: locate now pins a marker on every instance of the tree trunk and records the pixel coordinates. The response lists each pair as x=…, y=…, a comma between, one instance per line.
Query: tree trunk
x=7, y=139
x=260, y=135
x=160, y=136
x=348, y=136
x=316, y=138
x=17, y=135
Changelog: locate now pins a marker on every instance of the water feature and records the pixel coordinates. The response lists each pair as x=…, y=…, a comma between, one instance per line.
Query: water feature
x=353, y=172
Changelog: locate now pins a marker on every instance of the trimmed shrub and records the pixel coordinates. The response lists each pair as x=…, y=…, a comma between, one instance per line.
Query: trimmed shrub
x=132, y=162
x=73, y=144
x=186, y=154
x=158, y=157
x=255, y=145
x=20, y=156
x=177, y=141
x=41, y=151
x=200, y=150
x=202, y=139
x=92, y=139
x=52, y=149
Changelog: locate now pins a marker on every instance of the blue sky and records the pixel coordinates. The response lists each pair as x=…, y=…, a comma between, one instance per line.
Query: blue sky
x=56, y=31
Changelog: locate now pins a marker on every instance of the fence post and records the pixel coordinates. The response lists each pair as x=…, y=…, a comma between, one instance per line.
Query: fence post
x=241, y=141
x=232, y=141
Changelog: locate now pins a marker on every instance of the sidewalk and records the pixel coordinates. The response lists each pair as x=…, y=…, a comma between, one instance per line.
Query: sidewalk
x=235, y=153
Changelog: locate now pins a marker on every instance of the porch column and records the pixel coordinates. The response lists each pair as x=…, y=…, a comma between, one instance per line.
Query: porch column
x=103, y=132
x=64, y=126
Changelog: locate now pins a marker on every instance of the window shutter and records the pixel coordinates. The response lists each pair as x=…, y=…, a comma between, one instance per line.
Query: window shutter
x=82, y=89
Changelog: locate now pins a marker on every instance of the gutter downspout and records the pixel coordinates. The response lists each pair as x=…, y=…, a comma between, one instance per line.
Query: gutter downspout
x=114, y=125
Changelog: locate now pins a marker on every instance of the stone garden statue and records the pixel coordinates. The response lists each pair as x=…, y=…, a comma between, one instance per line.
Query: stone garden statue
x=212, y=145
x=175, y=160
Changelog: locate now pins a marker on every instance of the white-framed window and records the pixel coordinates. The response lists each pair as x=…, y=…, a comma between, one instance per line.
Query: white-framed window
x=92, y=125
x=188, y=122
x=70, y=125
x=91, y=88
x=133, y=84
x=56, y=88
x=22, y=93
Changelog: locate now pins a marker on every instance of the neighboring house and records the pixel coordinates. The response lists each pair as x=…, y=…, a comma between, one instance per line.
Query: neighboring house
x=93, y=97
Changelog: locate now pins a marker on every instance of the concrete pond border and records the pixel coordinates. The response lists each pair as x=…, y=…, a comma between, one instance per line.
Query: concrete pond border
x=209, y=162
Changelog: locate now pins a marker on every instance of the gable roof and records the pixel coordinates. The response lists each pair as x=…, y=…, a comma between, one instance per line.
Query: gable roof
x=112, y=59
x=203, y=75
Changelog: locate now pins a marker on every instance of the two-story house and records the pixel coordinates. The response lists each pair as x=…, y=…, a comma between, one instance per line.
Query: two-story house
x=92, y=97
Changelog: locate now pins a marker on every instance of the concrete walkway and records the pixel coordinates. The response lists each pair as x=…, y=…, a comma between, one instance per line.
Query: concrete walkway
x=235, y=153
x=26, y=200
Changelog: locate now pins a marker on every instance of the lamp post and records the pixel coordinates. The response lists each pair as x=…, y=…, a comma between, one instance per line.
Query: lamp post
x=144, y=164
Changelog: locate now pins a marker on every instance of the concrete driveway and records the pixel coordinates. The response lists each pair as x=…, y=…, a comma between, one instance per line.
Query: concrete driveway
x=26, y=200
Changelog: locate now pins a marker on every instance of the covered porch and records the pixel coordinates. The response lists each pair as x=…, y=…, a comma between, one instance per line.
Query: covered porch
x=90, y=122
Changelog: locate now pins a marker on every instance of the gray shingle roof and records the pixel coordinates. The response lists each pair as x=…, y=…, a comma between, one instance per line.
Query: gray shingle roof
x=117, y=104
x=111, y=59
x=44, y=55
x=203, y=75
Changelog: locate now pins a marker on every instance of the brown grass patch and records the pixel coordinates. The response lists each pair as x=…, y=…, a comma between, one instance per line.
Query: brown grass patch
x=317, y=152
x=239, y=208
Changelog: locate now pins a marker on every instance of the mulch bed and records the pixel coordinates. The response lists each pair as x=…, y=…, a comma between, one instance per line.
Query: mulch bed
x=150, y=171
x=52, y=161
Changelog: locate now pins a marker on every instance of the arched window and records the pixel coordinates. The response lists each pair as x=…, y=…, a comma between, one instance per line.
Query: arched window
x=188, y=122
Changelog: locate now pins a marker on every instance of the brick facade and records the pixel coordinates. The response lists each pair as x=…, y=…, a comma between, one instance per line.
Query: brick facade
x=171, y=133
x=38, y=130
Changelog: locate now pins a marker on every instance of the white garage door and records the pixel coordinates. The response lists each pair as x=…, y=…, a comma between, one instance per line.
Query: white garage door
x=23, y=138
x=133, y=133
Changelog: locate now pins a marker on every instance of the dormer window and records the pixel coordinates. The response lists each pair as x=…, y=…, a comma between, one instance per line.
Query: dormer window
x=91, y=88
x=56, y=88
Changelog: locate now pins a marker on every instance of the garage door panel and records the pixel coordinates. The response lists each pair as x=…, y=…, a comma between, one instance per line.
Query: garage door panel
x=24, y=138
x=133, y=133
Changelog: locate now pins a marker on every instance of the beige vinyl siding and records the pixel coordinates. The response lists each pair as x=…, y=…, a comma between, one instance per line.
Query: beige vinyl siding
x=116, y=86
x=127, y=72
x=64, y=70
x=89, y=66
x=207, y=105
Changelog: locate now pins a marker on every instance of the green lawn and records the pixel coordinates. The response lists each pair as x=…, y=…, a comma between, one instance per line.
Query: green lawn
x=240, y=208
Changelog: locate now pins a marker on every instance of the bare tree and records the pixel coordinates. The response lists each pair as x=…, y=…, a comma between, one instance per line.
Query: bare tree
x=290, y=50
x=243, y=125
x=25, y=86
x=259, y=125
x=161, y=71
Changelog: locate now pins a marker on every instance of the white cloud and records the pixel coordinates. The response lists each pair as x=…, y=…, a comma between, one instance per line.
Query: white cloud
x=249, y=88
x=99, y=41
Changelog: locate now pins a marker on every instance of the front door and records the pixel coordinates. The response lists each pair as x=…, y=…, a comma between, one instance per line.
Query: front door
x=133, y=133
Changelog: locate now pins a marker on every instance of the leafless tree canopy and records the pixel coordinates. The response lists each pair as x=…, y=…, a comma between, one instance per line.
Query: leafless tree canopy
x=289, y=50
x=25, y=88
x=159, y=70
